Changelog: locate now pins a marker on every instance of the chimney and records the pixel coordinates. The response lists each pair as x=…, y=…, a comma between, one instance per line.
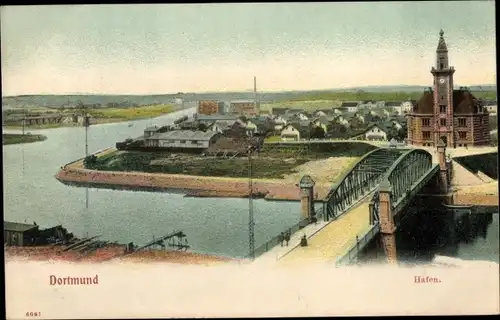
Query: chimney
x=257, y=104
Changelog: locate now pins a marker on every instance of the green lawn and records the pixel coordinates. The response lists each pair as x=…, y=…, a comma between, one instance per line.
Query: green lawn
x=131, y=113
x=19, y=138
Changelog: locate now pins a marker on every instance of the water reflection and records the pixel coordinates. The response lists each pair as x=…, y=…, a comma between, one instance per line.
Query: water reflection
x=213, y=225
x=425, y=233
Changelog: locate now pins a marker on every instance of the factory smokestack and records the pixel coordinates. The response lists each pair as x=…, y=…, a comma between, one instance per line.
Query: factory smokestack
x=257, y=104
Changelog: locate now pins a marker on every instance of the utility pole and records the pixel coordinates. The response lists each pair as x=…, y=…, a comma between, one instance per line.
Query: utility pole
x=86, y=124
x=251, y=223
x=24, y=117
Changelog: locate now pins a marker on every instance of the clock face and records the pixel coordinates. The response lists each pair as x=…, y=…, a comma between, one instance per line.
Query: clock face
x=442, y=80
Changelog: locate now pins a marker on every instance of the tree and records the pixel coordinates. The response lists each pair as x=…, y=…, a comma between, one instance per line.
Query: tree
x=317, y=132
x=90, y=161
x=202, y=126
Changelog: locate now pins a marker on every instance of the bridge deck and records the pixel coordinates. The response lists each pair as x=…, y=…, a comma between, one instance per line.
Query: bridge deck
x=335, y=239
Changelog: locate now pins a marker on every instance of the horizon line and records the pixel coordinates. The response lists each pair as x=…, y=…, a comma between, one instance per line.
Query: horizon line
x=236, y=91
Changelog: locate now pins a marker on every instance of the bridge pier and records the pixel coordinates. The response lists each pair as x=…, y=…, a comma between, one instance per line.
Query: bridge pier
x=306, y=185
x=387, y=225
x=443, y=167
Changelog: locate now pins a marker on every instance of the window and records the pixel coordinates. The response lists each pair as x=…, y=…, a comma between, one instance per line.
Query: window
x=442, y=122
x=462, y=122
x=426, y=134
x=462, y=135
x=425, y=122
x=442, y=109
x=441, y=65
x=182, y=141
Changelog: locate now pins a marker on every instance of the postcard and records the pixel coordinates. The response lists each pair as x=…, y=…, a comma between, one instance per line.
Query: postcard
x=231, y=160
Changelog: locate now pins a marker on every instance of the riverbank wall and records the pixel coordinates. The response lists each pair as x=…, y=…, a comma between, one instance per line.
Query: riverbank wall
x=75, y=174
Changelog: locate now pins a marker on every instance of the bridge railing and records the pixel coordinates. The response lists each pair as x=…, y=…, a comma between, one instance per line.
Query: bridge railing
x=274, y=241
x=353, y=252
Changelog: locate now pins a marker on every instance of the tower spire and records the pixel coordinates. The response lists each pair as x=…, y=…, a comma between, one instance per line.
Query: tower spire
x=441, y=44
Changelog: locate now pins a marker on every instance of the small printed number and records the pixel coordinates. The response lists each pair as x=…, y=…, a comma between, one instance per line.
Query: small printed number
x=33, y=314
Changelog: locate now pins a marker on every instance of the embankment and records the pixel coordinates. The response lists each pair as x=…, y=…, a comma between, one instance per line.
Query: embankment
x=479, y=195
x=110, y=253
x=11, y=138
x=75, y=174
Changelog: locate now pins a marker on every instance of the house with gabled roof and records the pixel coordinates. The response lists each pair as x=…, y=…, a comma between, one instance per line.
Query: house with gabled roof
x=259, y=126
x=374, y=132
x=295, y=131
x=324, y=122
x=368, y=104
x=349, y=106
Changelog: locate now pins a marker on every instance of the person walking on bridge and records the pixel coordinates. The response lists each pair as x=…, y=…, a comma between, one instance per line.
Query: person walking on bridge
x=281, y=238
x=287, y=237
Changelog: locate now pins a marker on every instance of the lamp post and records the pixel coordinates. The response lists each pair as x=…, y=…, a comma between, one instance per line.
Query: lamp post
x=251, y=223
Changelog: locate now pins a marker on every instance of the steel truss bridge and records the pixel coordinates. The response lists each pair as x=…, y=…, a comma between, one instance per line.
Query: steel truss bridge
x=406, y=177
x=406, y=170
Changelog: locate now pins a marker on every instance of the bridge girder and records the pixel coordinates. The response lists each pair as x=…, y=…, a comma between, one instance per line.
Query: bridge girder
x=359, y=181
x=407, y=175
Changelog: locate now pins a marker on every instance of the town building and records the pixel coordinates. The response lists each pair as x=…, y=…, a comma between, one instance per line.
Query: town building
x=375, y=132
x=367, y=104
x=279, y=122
x=216, y=117
x=349, y=106
x=454, y=116
x=296, y=131
x=209, y=107
x=19, y=234
x=149, y=131
x=180, y=139
x=243, y=107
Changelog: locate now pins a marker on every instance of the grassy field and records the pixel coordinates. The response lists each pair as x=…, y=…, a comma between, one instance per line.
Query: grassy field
x=125, y=114
x=19, y=138
x=103, y=115
x=324, y=162
x=315, y=101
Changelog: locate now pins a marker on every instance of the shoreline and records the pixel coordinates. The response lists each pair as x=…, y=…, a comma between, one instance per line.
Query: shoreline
x=97, y=122
x=14, y=138
x=194, y=186
x=111, y=253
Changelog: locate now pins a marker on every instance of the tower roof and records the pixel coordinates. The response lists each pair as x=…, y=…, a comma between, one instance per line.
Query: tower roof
x=442, y=44
x=464, y=102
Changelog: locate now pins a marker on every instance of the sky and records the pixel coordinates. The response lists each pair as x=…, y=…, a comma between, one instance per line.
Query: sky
x=169, y=48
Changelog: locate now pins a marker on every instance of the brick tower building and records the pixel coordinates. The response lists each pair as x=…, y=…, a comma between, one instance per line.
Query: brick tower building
x=442, y=113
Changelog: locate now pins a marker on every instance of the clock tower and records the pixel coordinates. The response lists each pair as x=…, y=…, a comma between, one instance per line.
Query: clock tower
x=442, y=122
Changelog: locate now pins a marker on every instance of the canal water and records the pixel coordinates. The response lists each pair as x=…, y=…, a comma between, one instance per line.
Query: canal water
x=427, y=232
x=212, y=225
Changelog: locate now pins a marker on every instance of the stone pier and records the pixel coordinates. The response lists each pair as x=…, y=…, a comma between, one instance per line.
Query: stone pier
x=387, y=225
